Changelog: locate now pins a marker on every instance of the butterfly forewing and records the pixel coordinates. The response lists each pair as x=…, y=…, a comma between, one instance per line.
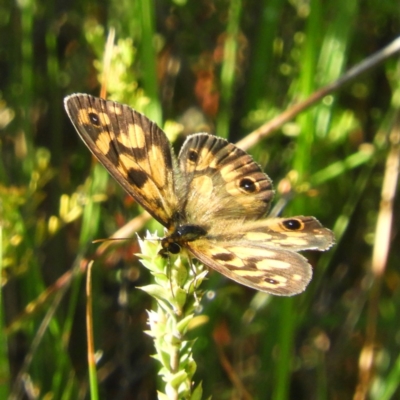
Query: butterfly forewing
x=222, y=181
x=134, y=150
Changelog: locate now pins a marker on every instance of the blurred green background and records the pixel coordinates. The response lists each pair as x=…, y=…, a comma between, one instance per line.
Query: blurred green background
x=225, y=67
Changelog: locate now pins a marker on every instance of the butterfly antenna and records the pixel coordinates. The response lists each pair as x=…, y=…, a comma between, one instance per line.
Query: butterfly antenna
x=109, y=240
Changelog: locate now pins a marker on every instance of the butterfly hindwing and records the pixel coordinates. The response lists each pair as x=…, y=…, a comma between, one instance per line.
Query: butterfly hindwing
x=262, y=254
x=293, y=233
x=133, y=149
x=256, y=265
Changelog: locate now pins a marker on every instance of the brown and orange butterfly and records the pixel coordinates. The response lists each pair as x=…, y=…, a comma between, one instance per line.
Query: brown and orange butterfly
x=212, y=199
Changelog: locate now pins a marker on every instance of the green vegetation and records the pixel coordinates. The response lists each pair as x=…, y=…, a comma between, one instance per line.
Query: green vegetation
x=226, y=67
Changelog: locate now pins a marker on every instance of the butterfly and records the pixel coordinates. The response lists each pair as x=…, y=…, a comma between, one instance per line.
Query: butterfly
x=212, y=199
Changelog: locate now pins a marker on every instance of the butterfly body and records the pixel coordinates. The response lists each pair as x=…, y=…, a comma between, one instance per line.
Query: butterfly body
x=212, y=199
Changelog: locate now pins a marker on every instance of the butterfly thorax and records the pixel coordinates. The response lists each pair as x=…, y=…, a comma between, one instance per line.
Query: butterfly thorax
x=173, y=243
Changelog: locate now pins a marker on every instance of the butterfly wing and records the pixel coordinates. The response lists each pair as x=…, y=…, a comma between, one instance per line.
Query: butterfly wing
x=219, y=190
x=279, y=272
x=294, y=233
x=134, y=150
x=262, y=254
x=221, y=181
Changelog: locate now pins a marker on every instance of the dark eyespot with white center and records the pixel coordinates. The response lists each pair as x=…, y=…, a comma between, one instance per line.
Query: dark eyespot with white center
x=193, y=155
x=248, y=185
x=271, y=281
x=94, y=118
x=292, y=224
